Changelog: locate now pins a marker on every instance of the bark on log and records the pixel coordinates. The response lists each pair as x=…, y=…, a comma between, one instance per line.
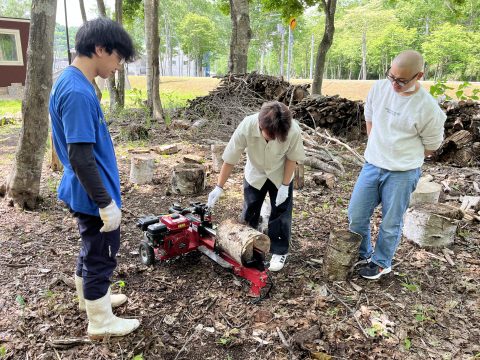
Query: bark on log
x=239, y=240
x=142, y=167
x=431, y=225
x=341, y=254
x=188, y=179
x=217, y=152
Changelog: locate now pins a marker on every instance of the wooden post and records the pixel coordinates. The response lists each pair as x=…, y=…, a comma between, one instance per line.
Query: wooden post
x=239, y=240
x=341, y=254
x=188, y=179
x=299, y=177
x=426, y=192
x=142, y=168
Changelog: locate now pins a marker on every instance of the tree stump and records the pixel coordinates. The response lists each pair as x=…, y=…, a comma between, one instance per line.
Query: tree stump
x=426, y=192
x=142, y=167
x=341, y=254
x=431, y=225
x=239, y=240
x=217, y=152
x=188, y=179
x=299, y=177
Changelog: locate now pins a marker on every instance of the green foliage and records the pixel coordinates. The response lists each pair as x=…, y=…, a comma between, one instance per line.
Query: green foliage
x=439, y=89
x=198, y=36
x=407, y=344
x=411, y=286
x=3, y=352
x=15, y=8
x=20, y=300
x=138, y=357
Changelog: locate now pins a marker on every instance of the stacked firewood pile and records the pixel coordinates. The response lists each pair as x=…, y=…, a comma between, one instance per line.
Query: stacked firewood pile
x=462, y=133
x=341, y=115
x=241, y=95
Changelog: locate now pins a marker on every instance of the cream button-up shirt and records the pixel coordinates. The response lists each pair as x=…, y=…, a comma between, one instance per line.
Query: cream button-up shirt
x=265, y=160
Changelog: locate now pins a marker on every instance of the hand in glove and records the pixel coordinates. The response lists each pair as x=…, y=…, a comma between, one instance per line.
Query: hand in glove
x=282, y=195
x=111, y=217
x=214, y=196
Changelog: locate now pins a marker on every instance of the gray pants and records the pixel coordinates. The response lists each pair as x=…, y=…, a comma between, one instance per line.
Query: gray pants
x=280, y=222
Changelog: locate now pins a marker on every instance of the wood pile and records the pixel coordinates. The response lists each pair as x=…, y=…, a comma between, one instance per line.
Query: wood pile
x=462, y=133
x=240, y=95
x=341, y=115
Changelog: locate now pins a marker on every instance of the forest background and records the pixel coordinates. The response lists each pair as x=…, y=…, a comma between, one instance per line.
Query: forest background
x=368, y=34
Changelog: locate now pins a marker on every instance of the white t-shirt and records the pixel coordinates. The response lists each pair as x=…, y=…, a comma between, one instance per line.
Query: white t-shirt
x=403, y=127
x=265, y=160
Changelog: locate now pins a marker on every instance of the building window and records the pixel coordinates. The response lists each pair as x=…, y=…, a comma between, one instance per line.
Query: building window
x=10, y=47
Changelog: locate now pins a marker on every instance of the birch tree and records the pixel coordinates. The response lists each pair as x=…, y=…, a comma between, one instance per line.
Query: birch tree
x=22, y=186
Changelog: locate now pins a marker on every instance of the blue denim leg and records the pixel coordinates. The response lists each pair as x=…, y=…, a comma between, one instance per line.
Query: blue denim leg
x=364, y=200
x=395, y=189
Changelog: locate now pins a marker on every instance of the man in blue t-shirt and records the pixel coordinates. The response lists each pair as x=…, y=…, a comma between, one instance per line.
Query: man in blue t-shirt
x=90, y=185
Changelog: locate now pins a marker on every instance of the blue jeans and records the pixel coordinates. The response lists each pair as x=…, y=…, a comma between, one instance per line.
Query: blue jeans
x=392, y=189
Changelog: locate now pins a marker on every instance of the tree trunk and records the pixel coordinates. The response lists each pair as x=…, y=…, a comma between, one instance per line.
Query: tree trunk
x=101, y=8
x=98, y=92
x=116, y=85
x=241, y=35
x=188, y=179
x=329, y=9
x=23, y=183
x=341, y=254
x=152, y=42
x=364, y=55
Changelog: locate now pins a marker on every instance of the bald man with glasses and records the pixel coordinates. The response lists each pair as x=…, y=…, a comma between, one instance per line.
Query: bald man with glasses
x=404, y=124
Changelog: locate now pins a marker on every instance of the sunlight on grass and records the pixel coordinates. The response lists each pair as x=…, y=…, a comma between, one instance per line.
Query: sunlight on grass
x=10, y=106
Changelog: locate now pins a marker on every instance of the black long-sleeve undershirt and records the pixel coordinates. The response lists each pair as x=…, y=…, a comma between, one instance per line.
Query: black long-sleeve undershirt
x=85, y=167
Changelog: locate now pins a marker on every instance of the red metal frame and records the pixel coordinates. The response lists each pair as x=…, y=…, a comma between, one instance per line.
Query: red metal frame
x=184, y=237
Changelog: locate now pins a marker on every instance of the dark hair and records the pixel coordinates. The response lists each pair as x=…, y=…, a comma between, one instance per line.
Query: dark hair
x=106, y=33
x=275, y=118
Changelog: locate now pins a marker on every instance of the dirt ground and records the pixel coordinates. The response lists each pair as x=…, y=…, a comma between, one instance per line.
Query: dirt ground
x=190, y=308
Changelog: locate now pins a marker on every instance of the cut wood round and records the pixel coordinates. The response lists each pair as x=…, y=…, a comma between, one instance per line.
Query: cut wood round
x=265, y=212
x=431, y=225
x=341, y=254
x=142, y=167
x=426, y=192
x=217, y=152
x=238, y=240
x=188, y=179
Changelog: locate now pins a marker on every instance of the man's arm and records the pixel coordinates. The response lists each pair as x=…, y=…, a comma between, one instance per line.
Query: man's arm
x=288, y=171
x=225, y=172
x=85, y=168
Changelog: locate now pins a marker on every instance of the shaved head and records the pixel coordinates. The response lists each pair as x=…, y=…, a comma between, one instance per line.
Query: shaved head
x=409, y=59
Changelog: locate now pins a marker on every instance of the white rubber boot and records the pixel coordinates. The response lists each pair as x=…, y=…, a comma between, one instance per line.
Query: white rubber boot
x=116, y=299
x=102, y=322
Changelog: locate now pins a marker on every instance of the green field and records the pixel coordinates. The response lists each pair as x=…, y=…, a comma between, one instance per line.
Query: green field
x=175, y=91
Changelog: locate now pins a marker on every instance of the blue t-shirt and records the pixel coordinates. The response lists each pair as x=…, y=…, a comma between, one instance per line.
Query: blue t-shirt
x=78, y=118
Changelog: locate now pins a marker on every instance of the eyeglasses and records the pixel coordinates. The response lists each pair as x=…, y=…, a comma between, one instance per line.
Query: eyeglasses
x=398, y=81
x=121, y=60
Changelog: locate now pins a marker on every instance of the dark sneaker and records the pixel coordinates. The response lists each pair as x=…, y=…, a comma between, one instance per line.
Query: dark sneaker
x=362, y=262
x=372, y=271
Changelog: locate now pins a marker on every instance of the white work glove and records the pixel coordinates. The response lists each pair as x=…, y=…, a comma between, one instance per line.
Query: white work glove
x=214, y=196
x=111, y=217
x=282, y=195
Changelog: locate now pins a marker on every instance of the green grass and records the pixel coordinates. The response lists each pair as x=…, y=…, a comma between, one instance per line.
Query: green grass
x=10, y=106
x=170, y=99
